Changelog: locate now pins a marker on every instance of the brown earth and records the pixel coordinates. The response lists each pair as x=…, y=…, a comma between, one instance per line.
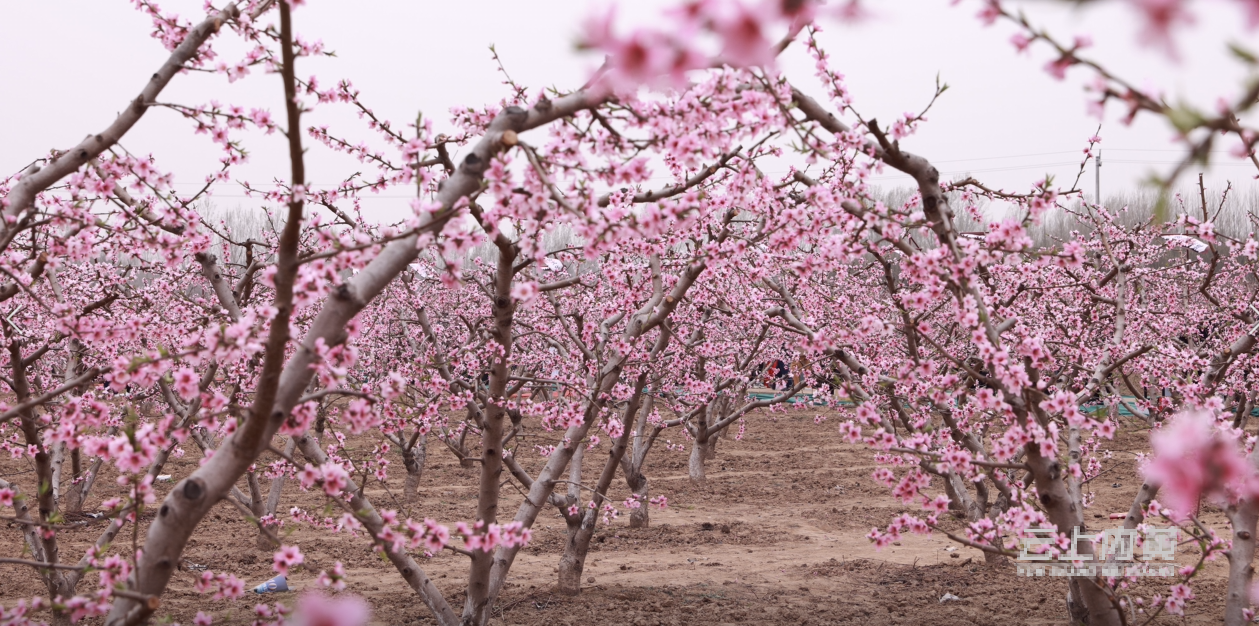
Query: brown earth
x=775, y=536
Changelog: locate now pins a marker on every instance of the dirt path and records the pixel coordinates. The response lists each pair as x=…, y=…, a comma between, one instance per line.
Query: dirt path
x=776, y=535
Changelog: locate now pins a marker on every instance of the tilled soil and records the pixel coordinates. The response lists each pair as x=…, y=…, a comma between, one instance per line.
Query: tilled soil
x=775, y=535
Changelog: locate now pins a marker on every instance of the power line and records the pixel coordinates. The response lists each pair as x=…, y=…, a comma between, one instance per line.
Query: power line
x=1012, y=156
x=1159, y=150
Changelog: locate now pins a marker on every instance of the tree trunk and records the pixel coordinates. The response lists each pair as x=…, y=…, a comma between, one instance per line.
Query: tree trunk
x=697, y=461
x=993, y=559
x=58, y=585
x=1242, y=411
x=709, y=451
x=581, y=530
x=73, y=356
x=956, y=491
x=478, y=602
x=1244, y=517
x=639, y=517
x=632, y=466
x=1084, y=598
x=573, y=561
x=411, y=487
x=704, y=447
x=61, y=618
x=58, y=462
x=1136, y=512
x=413, y=461
x=321, y=422
x=574, y=475
x=263, y=543
x=273, y=500
x=76, y=496
x=995, y=511
x=258, y=506
x=972, y=509
x=1075, y=604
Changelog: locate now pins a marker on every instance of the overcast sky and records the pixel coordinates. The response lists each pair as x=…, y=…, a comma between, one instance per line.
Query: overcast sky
x=68, y=66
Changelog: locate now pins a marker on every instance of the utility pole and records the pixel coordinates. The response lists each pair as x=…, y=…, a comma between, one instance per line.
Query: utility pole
x=1097, y=178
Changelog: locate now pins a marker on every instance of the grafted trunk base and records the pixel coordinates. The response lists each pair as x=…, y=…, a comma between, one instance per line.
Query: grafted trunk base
x=992, y=559
x=569, y=582
x=573, y=561
x=696, y=465
x=640, y=517
x=411, y=488
x=264, y=542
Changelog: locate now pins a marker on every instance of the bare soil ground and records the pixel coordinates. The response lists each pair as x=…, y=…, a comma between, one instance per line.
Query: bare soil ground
x=775, y=536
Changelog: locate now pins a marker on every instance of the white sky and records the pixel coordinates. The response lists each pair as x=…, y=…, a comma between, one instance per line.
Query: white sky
x=69, y=65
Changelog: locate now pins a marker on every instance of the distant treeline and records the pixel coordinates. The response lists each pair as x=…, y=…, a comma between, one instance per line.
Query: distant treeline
x=1235, y=215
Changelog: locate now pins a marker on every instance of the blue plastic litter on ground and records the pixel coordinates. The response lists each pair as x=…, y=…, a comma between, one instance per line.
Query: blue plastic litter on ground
x=274, y=585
